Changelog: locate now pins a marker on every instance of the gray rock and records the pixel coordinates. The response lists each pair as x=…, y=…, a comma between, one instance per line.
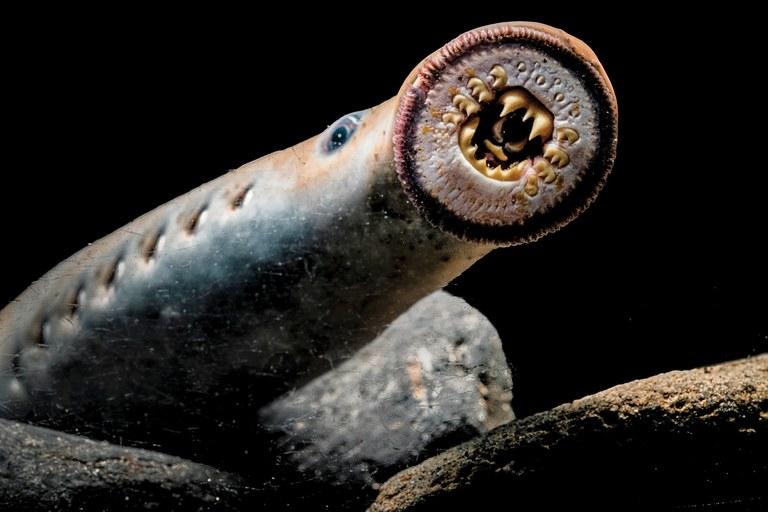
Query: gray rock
x=45, y=470
x=435, y=377
x=690, y=440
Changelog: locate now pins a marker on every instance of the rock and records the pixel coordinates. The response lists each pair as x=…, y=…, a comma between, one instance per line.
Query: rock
x=45, y=470
x=437, y=376
x=682, y=440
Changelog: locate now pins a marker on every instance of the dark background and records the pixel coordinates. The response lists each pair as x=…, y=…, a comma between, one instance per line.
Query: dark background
x=108, y=115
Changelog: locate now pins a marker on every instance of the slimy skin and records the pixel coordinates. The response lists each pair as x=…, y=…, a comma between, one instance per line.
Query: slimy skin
x=296, y=260
x=198, y=313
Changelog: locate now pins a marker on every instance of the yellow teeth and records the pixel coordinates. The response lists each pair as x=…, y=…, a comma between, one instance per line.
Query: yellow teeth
x=515, y=147
x=466, y=105
x=542, y=126
x=517, y=170
x=512, y=100
x=497, y=151
x=480, y=90
x=499, y=77
x=568, y=135
x=469, y=150
x=498, y=129
x=531, y=185
x=512, y=174
x=495, y=173
x=533, y=171
x=528, y=114
x=452, y=117
x=467, y=132
x=543, y=120
x=544, y=170
x=556, y=155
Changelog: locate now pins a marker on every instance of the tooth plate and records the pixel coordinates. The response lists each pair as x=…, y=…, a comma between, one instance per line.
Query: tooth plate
x=498, y=196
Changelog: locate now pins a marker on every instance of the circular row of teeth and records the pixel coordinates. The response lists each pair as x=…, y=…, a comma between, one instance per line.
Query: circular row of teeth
x=544, y=167
x=555, y=155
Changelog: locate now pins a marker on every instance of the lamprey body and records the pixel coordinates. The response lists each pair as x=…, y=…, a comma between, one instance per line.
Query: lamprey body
x=198, y=313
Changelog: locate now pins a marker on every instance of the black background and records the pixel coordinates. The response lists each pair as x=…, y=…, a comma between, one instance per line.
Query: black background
x=108, y=115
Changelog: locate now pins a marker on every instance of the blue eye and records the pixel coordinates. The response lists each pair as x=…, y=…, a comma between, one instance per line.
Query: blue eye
x=338, y=137
x=341, y=131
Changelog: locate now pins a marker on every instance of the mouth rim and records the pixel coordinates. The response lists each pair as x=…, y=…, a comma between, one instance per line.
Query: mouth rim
x=549, y=41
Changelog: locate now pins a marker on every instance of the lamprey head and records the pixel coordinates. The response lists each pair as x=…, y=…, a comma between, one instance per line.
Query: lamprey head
x=506, y=133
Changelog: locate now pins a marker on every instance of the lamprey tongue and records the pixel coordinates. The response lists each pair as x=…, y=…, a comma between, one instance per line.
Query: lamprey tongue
x=494, y=141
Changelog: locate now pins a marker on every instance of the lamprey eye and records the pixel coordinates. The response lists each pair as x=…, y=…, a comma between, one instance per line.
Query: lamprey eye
x=341, y=131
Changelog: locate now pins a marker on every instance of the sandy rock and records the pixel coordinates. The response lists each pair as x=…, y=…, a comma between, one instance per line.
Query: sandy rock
x=437, y=376
x=682, y=440
x=45, y=470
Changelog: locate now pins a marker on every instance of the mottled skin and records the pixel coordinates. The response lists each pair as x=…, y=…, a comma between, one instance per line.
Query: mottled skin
x=190, y=318
x=257, y=299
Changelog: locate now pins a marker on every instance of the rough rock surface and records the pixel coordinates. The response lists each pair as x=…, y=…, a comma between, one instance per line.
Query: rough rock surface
x=684, y=440
x=436, y=377
x=45, y=470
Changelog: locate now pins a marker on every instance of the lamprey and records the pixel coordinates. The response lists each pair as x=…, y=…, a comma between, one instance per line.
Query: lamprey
x=198, y=313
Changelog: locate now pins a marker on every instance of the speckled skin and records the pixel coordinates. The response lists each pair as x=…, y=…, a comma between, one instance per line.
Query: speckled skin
x=190, y=318
x=258, y=298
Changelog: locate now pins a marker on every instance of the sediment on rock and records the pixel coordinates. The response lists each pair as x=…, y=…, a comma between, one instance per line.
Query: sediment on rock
x=435, y=377
x=682, y=440
x=44, y=470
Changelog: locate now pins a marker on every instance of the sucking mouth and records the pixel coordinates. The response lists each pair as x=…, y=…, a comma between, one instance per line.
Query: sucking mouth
x=506, y=132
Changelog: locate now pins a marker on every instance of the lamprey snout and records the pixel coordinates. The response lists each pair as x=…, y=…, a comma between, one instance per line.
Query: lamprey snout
x=506, y=133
